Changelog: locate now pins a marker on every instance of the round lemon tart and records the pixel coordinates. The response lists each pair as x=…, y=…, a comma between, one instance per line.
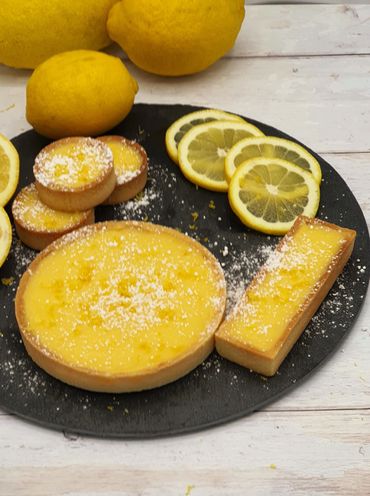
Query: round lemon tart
x=130, y=165
x=74, y=174
x=121, y=306
x=38, y=225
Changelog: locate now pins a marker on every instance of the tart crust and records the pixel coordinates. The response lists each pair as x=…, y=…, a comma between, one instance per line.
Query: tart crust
x=232, y=346
x=69, y=198
x=127, y=188
x=148, y=377
x=36, y=237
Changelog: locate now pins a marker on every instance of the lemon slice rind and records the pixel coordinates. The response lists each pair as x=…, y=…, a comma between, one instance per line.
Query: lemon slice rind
x=235, y=155
x=192, y=119
x=259, y=223
x=214, y=164
x=8, y=153
x=5, y=235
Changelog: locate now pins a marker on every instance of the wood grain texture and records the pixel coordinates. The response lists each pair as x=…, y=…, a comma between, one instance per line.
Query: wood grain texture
x=300, y=454
x=286, y=30
x=319, y=100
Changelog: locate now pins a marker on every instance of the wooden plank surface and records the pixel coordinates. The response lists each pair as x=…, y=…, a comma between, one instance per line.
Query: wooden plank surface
x=319, y=100
x=282, y=30
x=300, y=454
x=305, y=70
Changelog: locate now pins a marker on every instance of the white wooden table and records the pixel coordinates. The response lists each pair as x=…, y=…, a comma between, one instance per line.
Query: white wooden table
x=306, y=70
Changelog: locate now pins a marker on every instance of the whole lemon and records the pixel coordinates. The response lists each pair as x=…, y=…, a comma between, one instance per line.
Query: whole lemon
x=79, y=93
x=31, y=31
x=175, y=37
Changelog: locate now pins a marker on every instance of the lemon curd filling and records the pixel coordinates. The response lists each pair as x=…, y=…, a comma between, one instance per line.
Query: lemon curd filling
x=289, y=278
x=122, y=300
x=73, y=163
x=33, y=214
x=127, y=161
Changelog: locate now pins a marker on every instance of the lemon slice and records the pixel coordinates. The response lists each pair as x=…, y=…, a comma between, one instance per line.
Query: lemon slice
x=203, y=149
x=268, y=194
x=9, y=170
x=178, y=129
x=5, y=235
x=271, y=147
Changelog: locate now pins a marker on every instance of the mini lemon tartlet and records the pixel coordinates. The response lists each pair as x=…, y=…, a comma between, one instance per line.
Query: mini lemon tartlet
x=121, y=306
x=130, y=165
x=284, y=295
x=74, y=174
x=37, y=225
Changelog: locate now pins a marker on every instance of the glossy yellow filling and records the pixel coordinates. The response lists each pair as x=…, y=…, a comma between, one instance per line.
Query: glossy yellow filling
x=122, y=301
x=73, y=165
x=127, y=160
x=35, y=215
x=269, y=305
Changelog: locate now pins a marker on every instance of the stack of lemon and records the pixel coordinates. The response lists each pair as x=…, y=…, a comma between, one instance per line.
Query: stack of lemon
x=9, y=175
x=270, y=181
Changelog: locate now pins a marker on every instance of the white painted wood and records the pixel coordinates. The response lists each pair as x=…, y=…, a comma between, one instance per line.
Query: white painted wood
x=322, y=101
x=318, y=435
x=319, y=100
x=300, y=454
x=282, y=30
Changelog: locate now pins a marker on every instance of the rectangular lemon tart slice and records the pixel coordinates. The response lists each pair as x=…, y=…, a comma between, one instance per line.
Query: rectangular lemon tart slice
x=284, y=295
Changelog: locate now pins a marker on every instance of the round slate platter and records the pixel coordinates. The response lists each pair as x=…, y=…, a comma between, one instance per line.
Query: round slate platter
x=218, y=390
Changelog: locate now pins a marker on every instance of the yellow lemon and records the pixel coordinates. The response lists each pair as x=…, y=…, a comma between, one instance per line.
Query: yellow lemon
x=175, y=37
x=177, y=130
x=203, y=149
x=31, y=31
x=268, y=194
x=271, y=147
x=5, y=235
x=9, y=170
x=79, y=93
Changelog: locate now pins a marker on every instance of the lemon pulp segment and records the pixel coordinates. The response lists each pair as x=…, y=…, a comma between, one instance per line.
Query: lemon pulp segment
x=5, y=235
x=203, y=149
x=9, y=170
x=33, y=214
x=4, y=170
x=278, y=292
x=269, y=194
x=123, y=300
x=181, y=126
x=271, y=147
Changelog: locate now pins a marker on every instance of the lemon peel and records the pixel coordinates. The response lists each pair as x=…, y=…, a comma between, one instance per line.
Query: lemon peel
x=79, y=93
x=173, y=37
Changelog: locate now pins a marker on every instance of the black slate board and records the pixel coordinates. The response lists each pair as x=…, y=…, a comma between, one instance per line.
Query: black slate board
x=217, y=391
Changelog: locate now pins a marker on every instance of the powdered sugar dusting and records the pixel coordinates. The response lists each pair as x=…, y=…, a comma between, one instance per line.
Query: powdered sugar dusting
x=22, y=256
x=72, y=163
x=127, y=175
x=144, y=206
x=123, y=288
x=32, y=214
x=240, y=271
